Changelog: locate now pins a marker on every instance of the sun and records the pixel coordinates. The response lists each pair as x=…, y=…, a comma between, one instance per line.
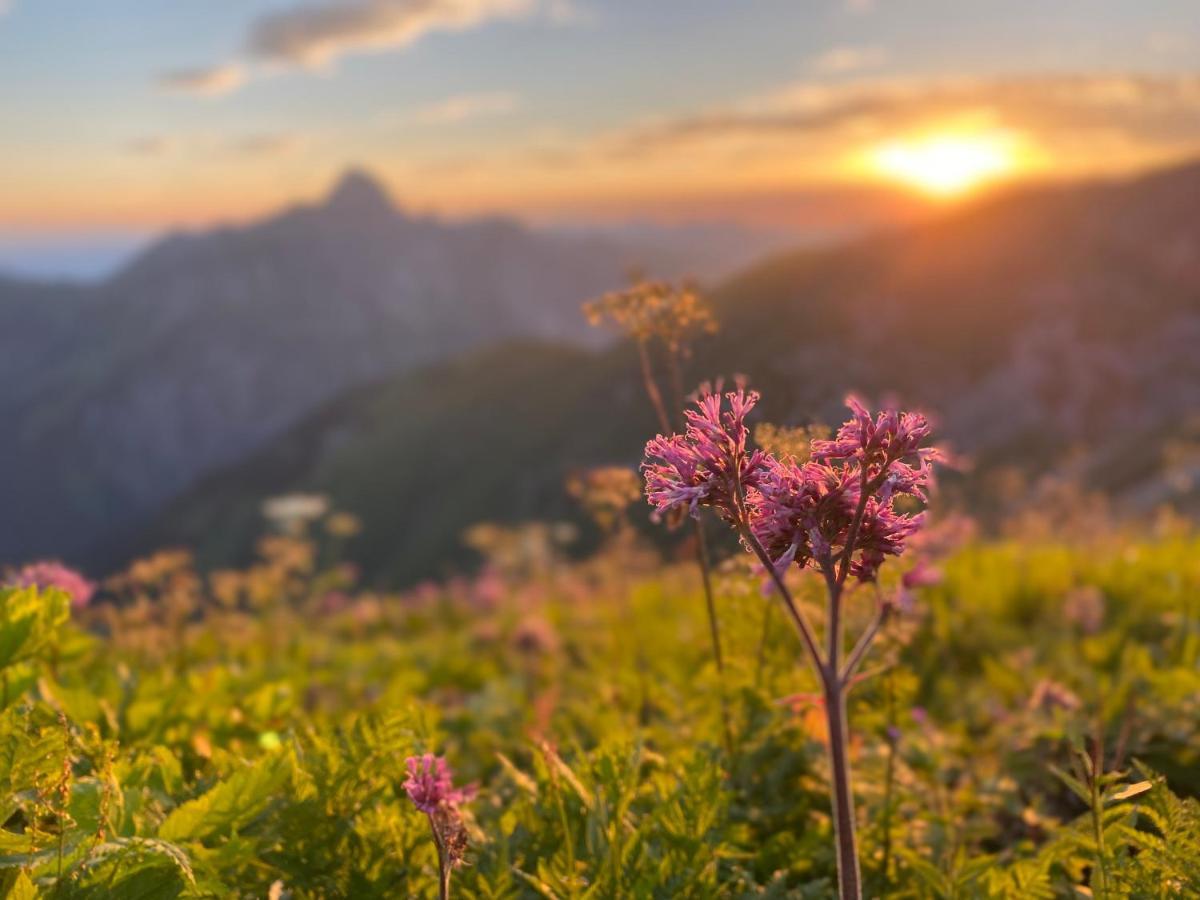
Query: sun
x=947, y=165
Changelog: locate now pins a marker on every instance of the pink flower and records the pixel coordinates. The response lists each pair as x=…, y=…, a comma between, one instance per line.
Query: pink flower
x=48, y=574
x=805, y=514
x=921, y=575
x=335, y=602
x=799, y=512
x=707, y=465
x=875, y=443
x=430, y=784
x=883, y=533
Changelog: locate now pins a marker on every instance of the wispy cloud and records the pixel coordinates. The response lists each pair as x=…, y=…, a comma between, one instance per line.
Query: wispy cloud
x=462, y=107
x=844, y=60
x=268, y=145
x=315, y=35
x=210, y=81
x=1148, y=109
x=318, y=33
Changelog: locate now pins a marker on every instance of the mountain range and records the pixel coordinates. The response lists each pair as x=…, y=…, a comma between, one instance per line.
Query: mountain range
x=118, y=396
x=1051, y=329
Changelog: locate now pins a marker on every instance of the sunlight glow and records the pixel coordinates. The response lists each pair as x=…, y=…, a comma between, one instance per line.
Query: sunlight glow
x=947, y=165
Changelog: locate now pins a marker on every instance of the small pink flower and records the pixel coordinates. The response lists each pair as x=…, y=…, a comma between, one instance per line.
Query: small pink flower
x=335, y=602
x=921, y=575
x=48, y=574
x=707, y=465
x=876, y=442
x=488, y=589
x=805, y=514
x=430, y=784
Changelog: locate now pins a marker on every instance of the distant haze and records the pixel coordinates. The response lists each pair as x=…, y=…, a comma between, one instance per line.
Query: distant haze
x=76, y=257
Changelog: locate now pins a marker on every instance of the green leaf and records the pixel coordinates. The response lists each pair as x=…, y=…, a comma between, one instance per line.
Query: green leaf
x=231, y=804
x=15, y=885
x=135, y=869
x=29, y=621
x=1078, y=788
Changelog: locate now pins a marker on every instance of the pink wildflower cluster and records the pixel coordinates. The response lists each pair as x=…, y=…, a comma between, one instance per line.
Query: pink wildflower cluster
x=707, y=465
x=430, y=784
x=43, y=575
x=801, y=513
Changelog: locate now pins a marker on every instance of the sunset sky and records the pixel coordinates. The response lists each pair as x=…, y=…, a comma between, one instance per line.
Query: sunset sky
x=136, y=115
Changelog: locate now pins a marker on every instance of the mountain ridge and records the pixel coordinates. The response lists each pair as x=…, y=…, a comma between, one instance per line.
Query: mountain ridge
x=119, y=395
x=1041, y=326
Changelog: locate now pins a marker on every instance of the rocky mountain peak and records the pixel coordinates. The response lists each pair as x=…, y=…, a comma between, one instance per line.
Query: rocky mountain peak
x=360, y=193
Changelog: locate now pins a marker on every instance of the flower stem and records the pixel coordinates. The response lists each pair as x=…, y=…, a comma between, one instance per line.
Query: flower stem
x=802, y=626
x=849, y=878
x=702, y=560
x=651, y=386
x=713, y=631
x=443, y=862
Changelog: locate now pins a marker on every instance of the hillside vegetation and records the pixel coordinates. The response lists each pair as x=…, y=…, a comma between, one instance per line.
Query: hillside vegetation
x=244, y=735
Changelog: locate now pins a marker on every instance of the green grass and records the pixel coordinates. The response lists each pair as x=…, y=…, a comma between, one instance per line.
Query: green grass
x=214, y=739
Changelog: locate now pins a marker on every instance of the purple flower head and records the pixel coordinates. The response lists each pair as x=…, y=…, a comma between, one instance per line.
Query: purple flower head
x=430, y=784
x=800, y=512
x=877, y=443
x=43, y=575
x=882, y=534
x=707, y=465
x=806, y=513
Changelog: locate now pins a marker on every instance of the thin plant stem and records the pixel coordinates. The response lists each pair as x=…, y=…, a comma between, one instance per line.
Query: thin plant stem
x=854, y=660
x=849, y=876
x=841, y=794
x=651, y=386
x=833, y=688
x=714, y=631
x=702, y=558
x=834, y=692
x=802, y=626
x=443, y=863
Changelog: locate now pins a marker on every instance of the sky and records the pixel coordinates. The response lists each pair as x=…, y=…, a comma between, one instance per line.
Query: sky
x=122, y=118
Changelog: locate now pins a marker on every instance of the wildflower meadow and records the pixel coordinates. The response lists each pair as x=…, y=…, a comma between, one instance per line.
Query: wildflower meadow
x=800, y=676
